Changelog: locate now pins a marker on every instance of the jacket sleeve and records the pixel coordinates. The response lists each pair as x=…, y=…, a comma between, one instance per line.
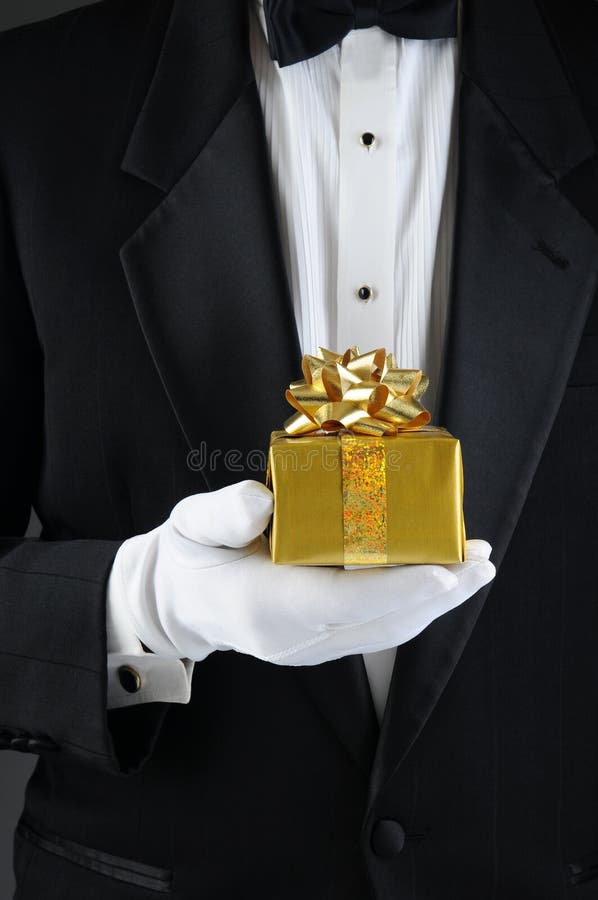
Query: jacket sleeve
x=53, y=647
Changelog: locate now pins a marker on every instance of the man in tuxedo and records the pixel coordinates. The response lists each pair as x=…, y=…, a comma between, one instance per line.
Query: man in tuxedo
x=207, y=723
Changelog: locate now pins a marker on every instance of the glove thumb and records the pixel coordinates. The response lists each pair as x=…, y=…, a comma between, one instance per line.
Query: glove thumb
x=233, y=516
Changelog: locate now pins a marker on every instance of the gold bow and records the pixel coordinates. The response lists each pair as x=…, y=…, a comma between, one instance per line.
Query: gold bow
x=362, y=392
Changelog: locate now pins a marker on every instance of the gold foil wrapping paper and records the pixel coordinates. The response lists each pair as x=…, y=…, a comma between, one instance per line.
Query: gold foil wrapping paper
x=352, y=499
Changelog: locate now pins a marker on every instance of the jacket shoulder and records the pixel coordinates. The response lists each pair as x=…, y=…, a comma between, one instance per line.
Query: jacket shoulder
x=39, y=56
x=573, y=27
x=64, y=77
x=50, y=33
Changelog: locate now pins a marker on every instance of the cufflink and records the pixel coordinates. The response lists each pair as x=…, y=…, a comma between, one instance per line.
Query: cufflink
x=130, y=679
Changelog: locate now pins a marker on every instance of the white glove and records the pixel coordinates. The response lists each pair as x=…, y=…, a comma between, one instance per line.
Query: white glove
x=204, y=581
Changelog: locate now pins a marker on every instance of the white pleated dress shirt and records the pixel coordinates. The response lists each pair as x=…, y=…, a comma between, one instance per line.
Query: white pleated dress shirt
x=362, y=143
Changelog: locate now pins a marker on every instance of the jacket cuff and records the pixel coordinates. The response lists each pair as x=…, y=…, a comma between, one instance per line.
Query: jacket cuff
x=53, y=659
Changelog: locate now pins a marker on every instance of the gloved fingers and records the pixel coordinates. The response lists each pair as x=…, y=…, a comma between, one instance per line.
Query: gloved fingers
x=336, y=641
x=411, y=621
x=415, y=590
x=477, y=565
x=410, y=614
x=332, y=595
x=476, y=548
x=390, y=630
x=233, y=516
x=285, y=606
x=472, y=575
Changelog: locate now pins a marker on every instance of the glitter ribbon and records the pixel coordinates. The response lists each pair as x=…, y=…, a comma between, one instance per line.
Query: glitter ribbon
x=365, y=538
x=364, y=393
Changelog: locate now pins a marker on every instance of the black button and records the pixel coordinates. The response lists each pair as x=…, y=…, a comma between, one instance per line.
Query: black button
x=130, y=679
x=388, y=838
x=364, y=292
x=20, y=743
x=368, y=139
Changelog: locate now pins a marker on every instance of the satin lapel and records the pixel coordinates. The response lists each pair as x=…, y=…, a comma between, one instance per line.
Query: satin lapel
x=205, y=270
x=525, y=270
x=207, y=278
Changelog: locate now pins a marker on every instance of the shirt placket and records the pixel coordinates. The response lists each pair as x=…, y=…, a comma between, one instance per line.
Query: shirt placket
x=368, y=137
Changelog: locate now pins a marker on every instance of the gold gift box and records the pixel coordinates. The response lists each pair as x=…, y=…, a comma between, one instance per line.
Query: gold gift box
x=351, y=499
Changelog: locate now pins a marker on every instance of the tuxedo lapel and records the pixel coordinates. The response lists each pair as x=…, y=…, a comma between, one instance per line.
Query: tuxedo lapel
x=203, y=66
x=205, y=270
x=525, y=270
x=207, y=278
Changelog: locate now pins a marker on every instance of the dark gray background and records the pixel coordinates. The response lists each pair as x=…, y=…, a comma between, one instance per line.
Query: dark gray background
x=15, y=768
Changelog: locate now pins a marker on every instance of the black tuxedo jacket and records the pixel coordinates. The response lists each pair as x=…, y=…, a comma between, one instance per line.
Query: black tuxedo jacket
x=140, y=266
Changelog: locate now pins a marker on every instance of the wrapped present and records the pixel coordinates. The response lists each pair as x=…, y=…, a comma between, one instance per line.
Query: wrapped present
x=359, y=475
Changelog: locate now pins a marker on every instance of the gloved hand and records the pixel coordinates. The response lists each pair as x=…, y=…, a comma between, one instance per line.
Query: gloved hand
x=204, y=581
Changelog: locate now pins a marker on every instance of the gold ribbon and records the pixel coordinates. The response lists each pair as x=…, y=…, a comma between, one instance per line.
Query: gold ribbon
x=365, y=512
x=361, y=392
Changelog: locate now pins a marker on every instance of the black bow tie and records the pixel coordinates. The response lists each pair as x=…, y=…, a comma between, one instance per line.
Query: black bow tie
x=300, y=29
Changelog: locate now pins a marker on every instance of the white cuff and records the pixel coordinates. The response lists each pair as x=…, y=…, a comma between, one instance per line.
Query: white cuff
x=135, y=676
x=147, y=678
